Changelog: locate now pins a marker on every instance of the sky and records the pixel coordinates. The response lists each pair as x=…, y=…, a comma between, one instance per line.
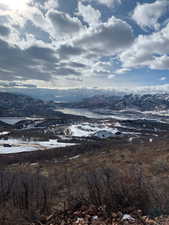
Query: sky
x=62, y=44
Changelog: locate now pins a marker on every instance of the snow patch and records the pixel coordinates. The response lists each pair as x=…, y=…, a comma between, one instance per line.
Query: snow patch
x=87, y=129
x=19, y=149
x=18, y=145
x=4, y=133
x=127, y=217
x=75, y=157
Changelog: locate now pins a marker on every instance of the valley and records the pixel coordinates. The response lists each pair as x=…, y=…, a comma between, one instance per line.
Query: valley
x=32, y=134
x=73, y=153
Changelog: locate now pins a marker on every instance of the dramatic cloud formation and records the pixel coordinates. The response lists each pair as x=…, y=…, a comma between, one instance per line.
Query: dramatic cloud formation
x=107, y=38
x=148, y=14
x=149, y=50
x=89, y=14
x=108, y=3
x=75, y=43
x=63, y=24
x=4, y=31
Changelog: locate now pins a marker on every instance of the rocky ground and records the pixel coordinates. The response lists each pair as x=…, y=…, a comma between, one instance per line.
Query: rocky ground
x=91, y=215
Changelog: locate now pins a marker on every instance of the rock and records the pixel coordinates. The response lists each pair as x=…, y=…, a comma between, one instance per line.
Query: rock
x=7, y=146
x=128, y=218
x=95, y=217
x=80, y=221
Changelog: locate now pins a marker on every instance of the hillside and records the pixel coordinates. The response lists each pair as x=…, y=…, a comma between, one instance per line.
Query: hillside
x=147, y=102
x=106, y=180
x=17, y=105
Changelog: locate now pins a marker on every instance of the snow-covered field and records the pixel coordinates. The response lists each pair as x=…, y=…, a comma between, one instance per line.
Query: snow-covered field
x=88, y=129
x=13, y=145
x=13, y=120
x=18, y=149
x=18, y=145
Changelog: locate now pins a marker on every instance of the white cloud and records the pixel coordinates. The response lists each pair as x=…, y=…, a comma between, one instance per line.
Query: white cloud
x=160, y=63
x=44, y=43
x=122, y=70
x=148, y=14
x=90, y=15
x=153, y=89
x=148, y=50
x=109, y=3
x=111, y=76
x=51, y=4
x=101, y=67
x=163, y=78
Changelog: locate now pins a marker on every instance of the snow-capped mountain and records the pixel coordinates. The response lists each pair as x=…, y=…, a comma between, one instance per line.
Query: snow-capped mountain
x=146, y=102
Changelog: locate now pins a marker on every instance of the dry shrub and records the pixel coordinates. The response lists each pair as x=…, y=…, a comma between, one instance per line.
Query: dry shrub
x=25, y=196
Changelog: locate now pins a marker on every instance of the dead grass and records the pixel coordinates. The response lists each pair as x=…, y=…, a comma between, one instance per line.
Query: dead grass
x=112, y=169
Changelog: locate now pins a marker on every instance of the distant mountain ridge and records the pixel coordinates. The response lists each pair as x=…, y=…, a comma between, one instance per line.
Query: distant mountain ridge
x=146, y=102
x=63, y=95
x=21, y=105
x=18, y=105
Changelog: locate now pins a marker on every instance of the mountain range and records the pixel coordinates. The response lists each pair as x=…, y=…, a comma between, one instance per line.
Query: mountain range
x=21, y=105
x=18, y=105
x=146, y=102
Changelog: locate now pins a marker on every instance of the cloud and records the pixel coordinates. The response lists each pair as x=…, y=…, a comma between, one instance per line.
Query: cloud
x=163, y=78
x=4, y=31
x=102, y=67
x=15, y=84
x=66, y=71
x=111, y=76
x=66, y=51
x=89, y=14
x=52, y=40
x=77, y=65
x=153, y=89
x=19, y=64
x=107, y=3
x=51, y=4
x=106, y=38
x=64, y=24
x=148, y=14
x=122, y=70
x=76, y=79
x=148, y=51
x=160, y=63
x=41, y=53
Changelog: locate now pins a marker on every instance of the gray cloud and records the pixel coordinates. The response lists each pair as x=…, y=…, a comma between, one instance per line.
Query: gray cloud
x=63, y=23
x=4, y=31
x=65, y=71
x=65, y=51
x=76, y=79
x=78, y=65
x=15, y=84
x=107, y=38
x=41, y=53
x=16, y=63
x=55, y=40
